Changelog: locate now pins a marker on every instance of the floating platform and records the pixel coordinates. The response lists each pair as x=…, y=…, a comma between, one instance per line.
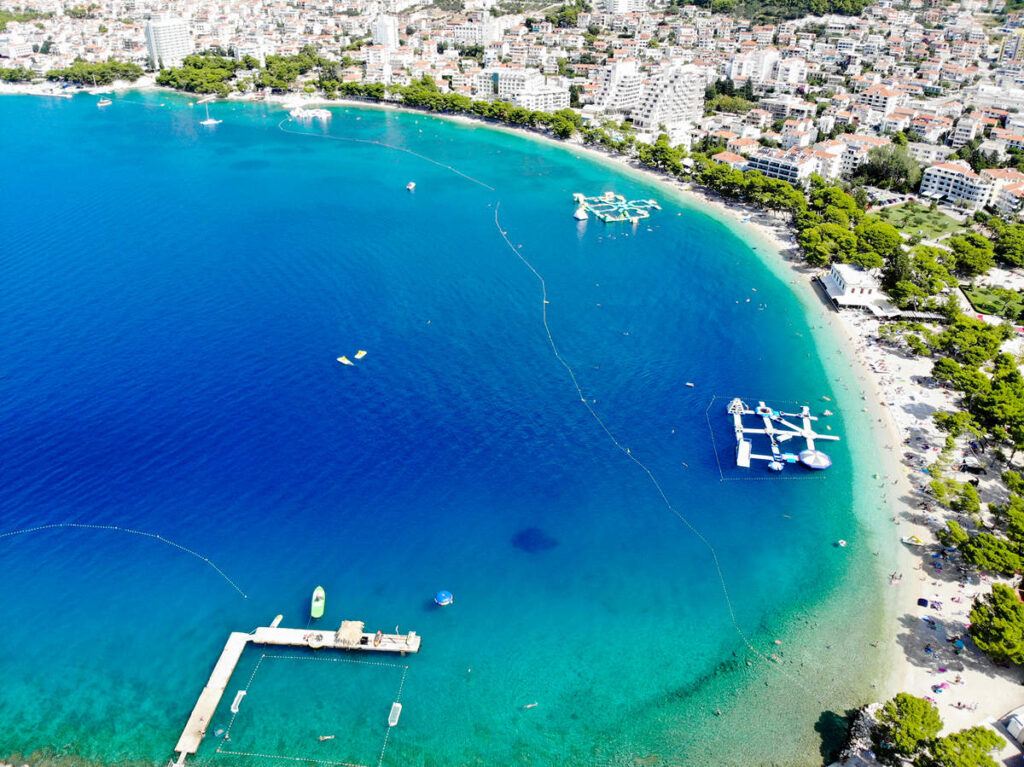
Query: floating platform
x=611, y=207
x=778, y=429
x=299, y=113
x=350, y=636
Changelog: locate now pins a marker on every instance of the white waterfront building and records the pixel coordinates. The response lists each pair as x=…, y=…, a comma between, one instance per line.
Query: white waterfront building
x=168, y=41
x=542, y=97
x=385, y=32
x=673, y=97
x=955, y=181
x=620, y=87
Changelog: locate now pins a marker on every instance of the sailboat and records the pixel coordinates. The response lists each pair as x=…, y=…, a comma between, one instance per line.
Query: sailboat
x=209, y=120
x=97, y=90
x=316, y=609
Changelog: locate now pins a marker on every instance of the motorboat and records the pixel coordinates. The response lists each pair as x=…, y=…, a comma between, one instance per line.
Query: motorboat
x=360, y=354
x=411, y=186
x=316, y=609
x=104, y=103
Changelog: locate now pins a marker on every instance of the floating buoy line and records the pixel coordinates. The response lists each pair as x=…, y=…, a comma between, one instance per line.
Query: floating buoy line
x=503, y=233
x=118, y=529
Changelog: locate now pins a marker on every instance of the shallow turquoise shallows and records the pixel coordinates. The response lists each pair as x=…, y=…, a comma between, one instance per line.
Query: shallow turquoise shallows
x=174, y=300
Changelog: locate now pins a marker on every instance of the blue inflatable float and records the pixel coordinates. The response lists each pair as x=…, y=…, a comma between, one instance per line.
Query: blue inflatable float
x=443, y=598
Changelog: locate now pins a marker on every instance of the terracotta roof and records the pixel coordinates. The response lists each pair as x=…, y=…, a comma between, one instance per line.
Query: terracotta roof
x=728, y=157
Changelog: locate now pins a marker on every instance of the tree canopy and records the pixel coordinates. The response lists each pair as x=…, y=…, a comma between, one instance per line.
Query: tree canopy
x=890, y=167
x=1009, y=242
x=203, y=73
x=997, y=625
x=16, y=75
x=24, y=14
x=101, y=72
x=906, y=721
x=967, y=748
x=973, y=254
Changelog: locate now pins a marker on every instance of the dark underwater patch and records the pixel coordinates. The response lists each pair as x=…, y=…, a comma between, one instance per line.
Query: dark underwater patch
x=533, y=540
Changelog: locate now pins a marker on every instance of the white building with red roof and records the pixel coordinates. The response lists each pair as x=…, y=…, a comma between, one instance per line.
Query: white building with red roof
x=956, y=182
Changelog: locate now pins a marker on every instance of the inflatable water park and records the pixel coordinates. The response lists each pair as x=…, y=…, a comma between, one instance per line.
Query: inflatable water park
x=778, y=427
x=611, y=207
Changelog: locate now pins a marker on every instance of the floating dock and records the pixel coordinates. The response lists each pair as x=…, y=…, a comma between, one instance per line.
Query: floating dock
x=350, y=636
x=611, y=207
x=778, y=430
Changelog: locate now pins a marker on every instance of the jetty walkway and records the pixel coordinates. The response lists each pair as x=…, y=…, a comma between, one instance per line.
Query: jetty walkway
x=350, y=636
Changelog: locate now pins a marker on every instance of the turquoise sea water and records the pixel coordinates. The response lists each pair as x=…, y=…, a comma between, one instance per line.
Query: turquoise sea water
x=174, y=300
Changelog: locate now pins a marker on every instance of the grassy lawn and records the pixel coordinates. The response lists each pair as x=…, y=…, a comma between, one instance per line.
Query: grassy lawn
x=998, y=301
x=914, y=219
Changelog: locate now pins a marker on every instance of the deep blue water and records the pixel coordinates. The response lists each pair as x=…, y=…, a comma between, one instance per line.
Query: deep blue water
x=173, y=301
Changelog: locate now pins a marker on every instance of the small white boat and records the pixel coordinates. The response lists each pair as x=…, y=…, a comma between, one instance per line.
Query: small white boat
x=345, y=361
x=104, y=103
x=411, y=186
x=581, y=214
x=396, y=711
x=912, y=540
x=360, y=354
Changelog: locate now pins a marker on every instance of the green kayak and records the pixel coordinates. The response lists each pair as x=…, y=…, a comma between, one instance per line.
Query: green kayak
x=319, y=597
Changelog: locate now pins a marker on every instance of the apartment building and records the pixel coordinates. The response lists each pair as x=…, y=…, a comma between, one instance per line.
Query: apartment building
x=167, y=41
x=673, y=97
x=954, y=181
x=793, y=166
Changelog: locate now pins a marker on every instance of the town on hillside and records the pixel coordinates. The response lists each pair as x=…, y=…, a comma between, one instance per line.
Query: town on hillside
x=882, y=142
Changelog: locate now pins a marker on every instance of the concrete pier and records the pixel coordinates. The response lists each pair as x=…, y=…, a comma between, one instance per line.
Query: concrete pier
x=350, y=636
